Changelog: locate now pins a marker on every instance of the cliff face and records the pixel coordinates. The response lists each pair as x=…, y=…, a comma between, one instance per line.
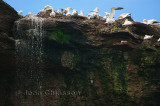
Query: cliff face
x=78, y=61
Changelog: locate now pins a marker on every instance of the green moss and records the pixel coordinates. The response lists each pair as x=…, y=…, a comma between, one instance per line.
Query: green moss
x=61, y=37
x=116, y=28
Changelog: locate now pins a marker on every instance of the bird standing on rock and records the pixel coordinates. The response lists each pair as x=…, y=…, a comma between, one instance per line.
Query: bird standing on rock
x=53, y=14
x=94, y=13
x=81, y=13
x=20, y=12
x=146, y=37
x=127, y=22
x=74, y=13
x=68, y=11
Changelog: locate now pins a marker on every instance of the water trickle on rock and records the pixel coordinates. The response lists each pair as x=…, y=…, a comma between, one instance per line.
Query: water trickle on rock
x=29, y=51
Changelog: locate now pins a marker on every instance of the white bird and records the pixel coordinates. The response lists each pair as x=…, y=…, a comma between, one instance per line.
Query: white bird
x=146, y=37
x=74, y=13
x=29, y=13
x=123, y=41
x=20, y=12
x=107, y=15
x=81, y=13
x=113, y=11
x=158, y=40
x=93, y=14
x=59, y=12
x=152, y=21
x=124, y=15
x=109, y=21
x=41, y=10
x=53, y=14
x=68, y=11
x=127, y=22
x=48, y=7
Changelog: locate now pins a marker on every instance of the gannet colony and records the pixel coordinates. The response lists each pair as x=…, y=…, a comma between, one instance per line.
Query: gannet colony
x=109, y=17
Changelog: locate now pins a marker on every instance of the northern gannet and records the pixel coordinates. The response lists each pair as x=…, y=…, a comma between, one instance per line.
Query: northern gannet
x=123, y=41
x=81, y=13
x=107, y=15
x=64, y=11
x=74, y=13
x=94, y=14
x=124, y=15
x=59, y=12
x=151, y=22
x=68, y=11
x=127, y=22
x=48, y=7
x=20, y=12
x=29, y=13
x=41, y=10
x=146, y=37
x=113, y=11
x=53, y=14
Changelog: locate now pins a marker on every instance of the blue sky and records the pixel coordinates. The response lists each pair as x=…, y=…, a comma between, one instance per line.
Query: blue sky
x=140, y=9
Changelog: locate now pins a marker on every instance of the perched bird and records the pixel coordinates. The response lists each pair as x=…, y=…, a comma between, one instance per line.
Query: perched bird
x=123, y=41
x=74, y=13
x=151, y=22
x=20, y=12
x=29, y=13
x=59, y=12
x=81, y=13
x=124, y=15
x=53, y=14
x=107, y=15
x=64, y=11
x=146, y=37
x=41, y=10
x=109, y=20
x=158, y=40
x=127, y=22
x=68, y=11
x=48, y=7
x=93, y=13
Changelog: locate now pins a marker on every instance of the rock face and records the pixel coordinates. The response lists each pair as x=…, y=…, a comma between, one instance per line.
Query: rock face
x=84, y=62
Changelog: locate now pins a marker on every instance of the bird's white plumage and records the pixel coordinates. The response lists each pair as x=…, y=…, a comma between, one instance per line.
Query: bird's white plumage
x=93, y=14
x=146, y=37
x=109, y=20
x=124, y=15
x=127, y=22
x=20, y=12
x=59, y=12
x=48, y=7
x=81, y=13
x=158, y=40
x=74, y=13
x=68, y=11
x=53, y=14
x=152, y=21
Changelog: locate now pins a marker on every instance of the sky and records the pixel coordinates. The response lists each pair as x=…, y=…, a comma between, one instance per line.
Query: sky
x=139, y=9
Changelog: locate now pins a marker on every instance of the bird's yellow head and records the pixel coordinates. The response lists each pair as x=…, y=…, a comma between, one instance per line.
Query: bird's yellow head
x=52, y=9
x=82, y=11
x=146, y=35
x=29, y=13
x=97, y=9
x=21, y=12
x=126, y=20
x=69, y=8
x=144, y=20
